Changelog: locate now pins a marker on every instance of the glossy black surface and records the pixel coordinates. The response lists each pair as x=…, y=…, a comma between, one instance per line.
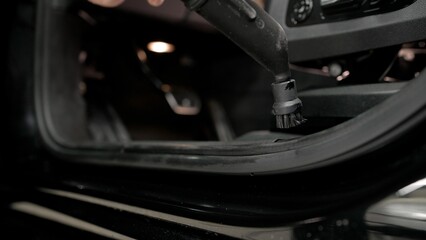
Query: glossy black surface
x=128, y=213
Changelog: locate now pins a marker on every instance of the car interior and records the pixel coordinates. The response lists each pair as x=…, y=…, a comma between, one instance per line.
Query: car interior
x=156, y=103
x=161, y=79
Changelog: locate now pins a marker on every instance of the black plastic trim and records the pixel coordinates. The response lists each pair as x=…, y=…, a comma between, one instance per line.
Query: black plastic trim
x=349, y=36
x=346, y=101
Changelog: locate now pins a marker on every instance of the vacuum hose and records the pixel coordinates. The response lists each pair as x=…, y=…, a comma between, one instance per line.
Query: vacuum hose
x=261, y=37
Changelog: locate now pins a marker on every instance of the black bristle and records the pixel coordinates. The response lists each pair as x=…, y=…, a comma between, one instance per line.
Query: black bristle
x=289, y=120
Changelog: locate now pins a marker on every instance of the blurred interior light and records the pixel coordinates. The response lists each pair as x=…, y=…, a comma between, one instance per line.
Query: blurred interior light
x=155, y=3
x=345, y=74
x=407, y=54
x=335, y=69
x=160, y=47
x=107, y=3
x=390, y=79
x=142, y=55
x=166, y=88
x=325, y=69
x=412, y=187
x=82, y=56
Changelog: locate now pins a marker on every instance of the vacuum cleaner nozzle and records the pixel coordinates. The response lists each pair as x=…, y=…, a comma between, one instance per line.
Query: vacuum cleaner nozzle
x=263, y=38
x=287, y=106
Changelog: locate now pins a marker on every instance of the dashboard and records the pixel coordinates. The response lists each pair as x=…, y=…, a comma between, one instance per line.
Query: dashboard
x=309, y=12
x=347, y=26
x=338, y=26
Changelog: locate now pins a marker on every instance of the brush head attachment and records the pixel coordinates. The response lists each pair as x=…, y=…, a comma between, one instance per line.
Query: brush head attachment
x=287, y=106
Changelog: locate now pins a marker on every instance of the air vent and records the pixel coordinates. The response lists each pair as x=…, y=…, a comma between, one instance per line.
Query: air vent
x=332, y=7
